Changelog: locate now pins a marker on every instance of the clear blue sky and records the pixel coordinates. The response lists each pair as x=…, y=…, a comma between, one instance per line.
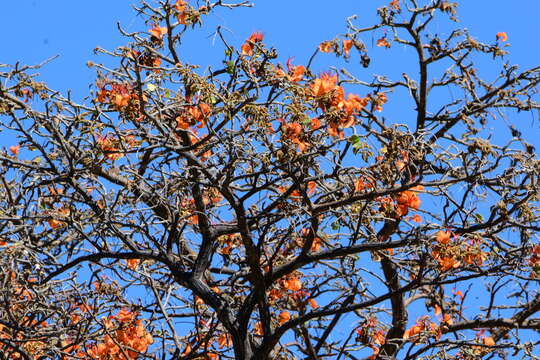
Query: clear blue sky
x=37, y=29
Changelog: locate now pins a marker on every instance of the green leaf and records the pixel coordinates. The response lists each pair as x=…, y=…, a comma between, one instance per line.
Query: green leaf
x=479, y=217
x=230, y=67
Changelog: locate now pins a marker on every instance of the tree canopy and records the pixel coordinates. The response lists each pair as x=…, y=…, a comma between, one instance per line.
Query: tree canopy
x=261, y=209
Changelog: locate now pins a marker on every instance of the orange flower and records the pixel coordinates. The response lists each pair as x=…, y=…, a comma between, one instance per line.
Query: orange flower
x=447, y=262
x=502, y=36
x=395, y=5
x=417, y=218
x=313, y=303
x=275, y=294
x=379, y=338
x=315, y=123
x=443, y=237
x=326, y=46
x=447, y=319
x=109, y=147
x=293, y=132
x=383, y=42
x=297, y=73
x=408, y=199
x=284, y=316
x=180, y=5
x=256, y=37
x=316, y=245
x=224, y=340
x=158, y=31
x=423, y=325
x=132, y=263
x=324, y=84
x=54, y=223
x=194, y=114
x=247, y=47
x=362, y=184
x=121, y=100
x=488, y=341
x=15, y=149
x=258, y=330
x=27, y=94
x=380, y=101
x=347, y=45
x=293, y=284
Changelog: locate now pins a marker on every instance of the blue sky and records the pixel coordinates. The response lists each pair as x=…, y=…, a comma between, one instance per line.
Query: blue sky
x=37, y=29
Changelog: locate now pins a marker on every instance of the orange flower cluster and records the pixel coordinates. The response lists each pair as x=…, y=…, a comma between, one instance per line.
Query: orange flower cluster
x=486, y=341
x=249, y=44
x=294, y=73
x=317, y=242
x=293, y=283
x=158, y=32
x=229, y=242
x=450, y=253
x=121, y=96
x=372, y=334
x=126, y=338
x=194, y=115
x=297, y=296
x=395, y=4
x=331, y=97
x=35, y=348
x=20, y=297
x=61, y=212
x=362, y=184
x=295, y=133
x=224, y=340
x=112, y=147
x=423, y=329
x=326, y=47
x=333, y=46
x=181, y=7
x=379, y=101
x=133, y=264
x=205, y=342
x=324, y=85
x=408, y=200
x=209, y=198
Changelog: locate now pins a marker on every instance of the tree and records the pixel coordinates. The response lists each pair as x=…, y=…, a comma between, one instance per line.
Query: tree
x=262, y=211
